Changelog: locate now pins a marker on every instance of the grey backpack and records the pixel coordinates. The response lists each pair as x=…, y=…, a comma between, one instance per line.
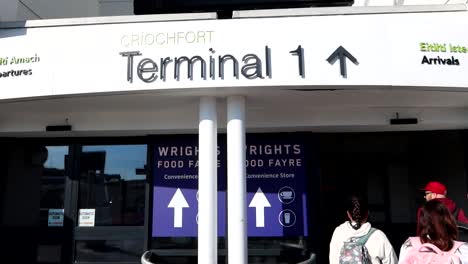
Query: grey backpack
x=354, y=250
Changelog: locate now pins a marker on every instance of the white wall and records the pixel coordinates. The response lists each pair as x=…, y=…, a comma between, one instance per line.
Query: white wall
x=15, y=10
x=431, y=2
x=46, y=9
x=115, y=7
x=8, y=9
x=330, y=111
x=406, y=2
x=374, y=2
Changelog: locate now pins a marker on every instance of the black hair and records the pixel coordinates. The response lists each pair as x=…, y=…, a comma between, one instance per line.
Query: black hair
x=357, y=208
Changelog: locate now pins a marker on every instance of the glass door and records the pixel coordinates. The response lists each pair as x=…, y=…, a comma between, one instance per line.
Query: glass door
x=110, y=223
x=32, y=222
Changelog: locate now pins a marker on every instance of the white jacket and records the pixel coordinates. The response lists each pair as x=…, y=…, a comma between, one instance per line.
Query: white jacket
x=461, y=252
x=380, y=249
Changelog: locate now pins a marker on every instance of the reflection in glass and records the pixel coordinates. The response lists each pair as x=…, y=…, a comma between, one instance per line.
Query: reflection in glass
x=112, y=181
x=34, y=185
x=109, y=250
x=49, y=162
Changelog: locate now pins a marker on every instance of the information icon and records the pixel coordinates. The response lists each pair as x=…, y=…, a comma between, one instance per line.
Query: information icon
x=286, y=195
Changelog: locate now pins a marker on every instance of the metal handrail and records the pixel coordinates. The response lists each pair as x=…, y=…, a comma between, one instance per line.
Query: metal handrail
x=310, y=260
x=145, y=258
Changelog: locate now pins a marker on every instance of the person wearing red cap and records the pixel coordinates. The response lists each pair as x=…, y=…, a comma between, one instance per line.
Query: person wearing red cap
x=438, y=191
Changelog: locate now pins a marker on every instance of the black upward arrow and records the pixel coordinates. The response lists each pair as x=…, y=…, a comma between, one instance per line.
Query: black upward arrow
x=341, y=53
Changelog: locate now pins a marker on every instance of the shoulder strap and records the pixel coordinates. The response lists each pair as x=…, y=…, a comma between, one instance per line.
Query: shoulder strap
x=415, y=242
x=456, y=245
x=362, y=240
x=455, y=213
x=430, y=246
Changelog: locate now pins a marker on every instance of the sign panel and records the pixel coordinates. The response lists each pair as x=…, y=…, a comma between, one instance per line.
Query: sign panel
x=175, y=190
x=55, y=217
x=276, y=186
x=370, y=49
x=86, y=217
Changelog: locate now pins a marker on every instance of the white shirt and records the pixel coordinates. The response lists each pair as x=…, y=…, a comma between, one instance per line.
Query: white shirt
x=380, y=249
x=461, y=252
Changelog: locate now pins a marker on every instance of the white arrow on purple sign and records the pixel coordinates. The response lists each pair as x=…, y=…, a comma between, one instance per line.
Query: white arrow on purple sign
x=178, y=202
x=259, y=201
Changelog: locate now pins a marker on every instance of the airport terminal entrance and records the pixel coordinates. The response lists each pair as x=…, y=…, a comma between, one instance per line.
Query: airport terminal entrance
x=70, y=202
x=33, y=181
x=91, y=200
x=390, y=168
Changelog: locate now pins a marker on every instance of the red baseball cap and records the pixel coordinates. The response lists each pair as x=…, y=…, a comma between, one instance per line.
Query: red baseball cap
x=436, y=187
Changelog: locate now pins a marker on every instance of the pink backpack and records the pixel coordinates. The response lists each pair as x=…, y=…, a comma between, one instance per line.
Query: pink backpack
x=428, y=253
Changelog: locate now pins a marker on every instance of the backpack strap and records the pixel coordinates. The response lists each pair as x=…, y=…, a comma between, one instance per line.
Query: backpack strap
x=437, y=250
x=430, y=246
x=362, y=240
x=455, y=213
x=462, y=226
x=414, y=242
x=456, y=246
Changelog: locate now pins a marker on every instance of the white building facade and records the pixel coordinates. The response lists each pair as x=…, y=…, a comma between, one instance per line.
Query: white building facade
x=332, y=99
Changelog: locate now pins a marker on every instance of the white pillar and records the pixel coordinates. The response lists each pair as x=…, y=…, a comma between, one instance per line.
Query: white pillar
x=236, y=181
x=207, y=183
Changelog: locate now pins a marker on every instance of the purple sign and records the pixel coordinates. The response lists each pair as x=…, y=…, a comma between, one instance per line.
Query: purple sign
x=276, y=186
x=175, y=188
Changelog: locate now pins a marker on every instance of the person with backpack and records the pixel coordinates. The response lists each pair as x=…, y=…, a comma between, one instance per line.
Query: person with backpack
x=437, y=191
x=356, y=241
x=436, y=238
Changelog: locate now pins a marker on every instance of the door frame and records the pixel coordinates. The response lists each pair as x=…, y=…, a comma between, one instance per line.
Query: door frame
x=71, y=232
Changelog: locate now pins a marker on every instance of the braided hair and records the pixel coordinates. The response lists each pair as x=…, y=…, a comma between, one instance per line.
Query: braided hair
x=357, y=208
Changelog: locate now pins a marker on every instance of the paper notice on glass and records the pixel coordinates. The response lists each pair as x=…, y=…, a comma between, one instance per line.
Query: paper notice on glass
x=86, y=217
x=55, y=217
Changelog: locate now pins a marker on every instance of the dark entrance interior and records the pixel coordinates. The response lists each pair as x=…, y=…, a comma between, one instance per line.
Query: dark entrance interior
x=390, y=168
x=47, y=184
x=72, y=175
